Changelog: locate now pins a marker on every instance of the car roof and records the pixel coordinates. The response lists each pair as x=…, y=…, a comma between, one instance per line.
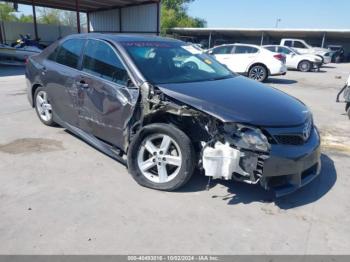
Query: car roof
x=277, y=46
x=125, y=37
x=250, y=45
x=292, y=39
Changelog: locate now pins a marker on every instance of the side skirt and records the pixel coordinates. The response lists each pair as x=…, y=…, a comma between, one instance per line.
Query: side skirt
x=105, y=148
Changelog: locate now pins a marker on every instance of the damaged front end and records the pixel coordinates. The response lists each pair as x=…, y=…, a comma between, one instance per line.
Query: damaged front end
x=240, y=152
x=236, y=152
x=226, y=150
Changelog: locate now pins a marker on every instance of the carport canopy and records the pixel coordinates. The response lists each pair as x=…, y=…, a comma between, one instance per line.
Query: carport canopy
x=263, y=32
x=80, y=6
x=84, y=5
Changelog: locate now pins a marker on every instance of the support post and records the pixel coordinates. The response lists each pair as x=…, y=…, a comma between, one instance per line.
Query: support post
x=120, y=20
x=209, y=41
x=88, y=21
x=77, y=7
x=1, y=39
x=262, y=39
x=35, y=22
x=323, y=40
x=158, y=18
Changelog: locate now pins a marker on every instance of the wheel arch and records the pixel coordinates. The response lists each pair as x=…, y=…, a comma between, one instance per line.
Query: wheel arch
x=185, y=123
x=261, y=64
x=34, y=88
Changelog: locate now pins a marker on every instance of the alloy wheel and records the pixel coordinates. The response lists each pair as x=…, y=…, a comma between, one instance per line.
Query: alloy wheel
x=159, y=158
x=43, y=106
x=258, y=73
x=304, y=67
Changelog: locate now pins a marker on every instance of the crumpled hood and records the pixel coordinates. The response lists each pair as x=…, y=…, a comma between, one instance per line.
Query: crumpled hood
x=240, y=100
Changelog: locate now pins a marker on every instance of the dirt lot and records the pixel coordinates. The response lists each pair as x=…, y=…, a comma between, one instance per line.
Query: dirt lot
x=58, y=195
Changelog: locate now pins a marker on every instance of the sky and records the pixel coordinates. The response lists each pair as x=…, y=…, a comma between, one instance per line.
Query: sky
x=320, y=14
x=326, y=14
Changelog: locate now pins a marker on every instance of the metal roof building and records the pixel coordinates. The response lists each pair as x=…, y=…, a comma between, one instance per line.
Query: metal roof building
x=210, y=37
x=114, y=16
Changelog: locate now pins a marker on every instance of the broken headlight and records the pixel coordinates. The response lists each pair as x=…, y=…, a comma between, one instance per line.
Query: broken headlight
x=250, y=138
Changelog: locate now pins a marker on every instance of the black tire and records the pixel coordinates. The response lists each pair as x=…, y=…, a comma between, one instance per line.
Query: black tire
x=187, y=155
x=347, y=109
x=305, y=66
x=48, y=122
x=258, y=73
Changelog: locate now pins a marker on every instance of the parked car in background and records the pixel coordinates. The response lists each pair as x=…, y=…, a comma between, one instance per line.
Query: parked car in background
x=338, y=54
x=253, y=61
x=346, y=96
x=304, y=48
x=295, y=60
x=134, y=99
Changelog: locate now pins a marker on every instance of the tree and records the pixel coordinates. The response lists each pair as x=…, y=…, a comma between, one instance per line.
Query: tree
x=25, y=18
x=174, y=14
x=7, y=12
x=49, y=16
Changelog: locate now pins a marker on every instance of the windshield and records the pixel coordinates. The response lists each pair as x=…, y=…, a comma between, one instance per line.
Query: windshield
x=167, y=62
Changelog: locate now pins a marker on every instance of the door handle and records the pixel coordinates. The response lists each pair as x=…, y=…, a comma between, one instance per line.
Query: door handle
x=83, y=84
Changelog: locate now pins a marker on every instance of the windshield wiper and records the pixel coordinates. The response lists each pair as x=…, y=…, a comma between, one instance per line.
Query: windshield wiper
x=220, y=78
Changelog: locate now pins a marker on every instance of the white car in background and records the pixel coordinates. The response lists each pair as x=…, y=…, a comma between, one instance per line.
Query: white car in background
x=253, y=61
x=304, y=48
x=296, y=60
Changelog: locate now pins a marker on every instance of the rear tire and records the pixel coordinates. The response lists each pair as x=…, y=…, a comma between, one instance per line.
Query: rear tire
x=305, y=66
x=161, y=157
x=347, y=109
x=258, y=73
x=43, y=107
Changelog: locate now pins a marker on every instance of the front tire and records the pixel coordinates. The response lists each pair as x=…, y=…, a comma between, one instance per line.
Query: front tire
x=161, y=157
x=43, y=106
x=258, y=73
x=305, y=66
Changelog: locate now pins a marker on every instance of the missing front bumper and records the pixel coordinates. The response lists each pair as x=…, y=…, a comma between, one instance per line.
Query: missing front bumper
x=284, y=170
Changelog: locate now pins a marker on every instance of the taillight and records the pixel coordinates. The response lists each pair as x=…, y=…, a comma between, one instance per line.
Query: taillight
x=280, y=57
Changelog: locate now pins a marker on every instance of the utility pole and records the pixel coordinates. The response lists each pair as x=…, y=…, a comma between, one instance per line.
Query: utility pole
x=278, y=20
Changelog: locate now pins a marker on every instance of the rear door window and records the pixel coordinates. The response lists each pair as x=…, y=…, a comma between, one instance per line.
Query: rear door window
x=68, y=53
x=101, y=60
x=271, y=48
x=284, y=50
x=245, y=50
x=222, y=50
